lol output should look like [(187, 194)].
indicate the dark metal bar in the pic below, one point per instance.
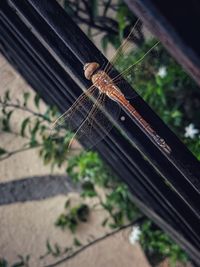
[(44, 51)]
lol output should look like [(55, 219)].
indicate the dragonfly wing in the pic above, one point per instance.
[(138, 68), (98, 123), (127, 45), (131, 58), (77, 113), (137, 61)]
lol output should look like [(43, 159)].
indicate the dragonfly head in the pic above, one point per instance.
[(90, 69)]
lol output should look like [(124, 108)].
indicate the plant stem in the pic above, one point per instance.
[(11, 153), (25, 109), (139, 220)]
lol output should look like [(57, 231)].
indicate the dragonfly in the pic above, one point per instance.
[(88, 118)]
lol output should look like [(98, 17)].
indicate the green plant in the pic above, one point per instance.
[(88, 169), (73, 217), (165, 86), (120, 208), (23, 262), (35, 129), (96, 16), (158, 245)]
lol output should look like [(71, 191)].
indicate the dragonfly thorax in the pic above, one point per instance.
[(98, 77), (103, 82)]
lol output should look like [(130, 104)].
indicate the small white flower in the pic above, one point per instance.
[(162, 71), (86, 179), (134, 235), (190, 131)]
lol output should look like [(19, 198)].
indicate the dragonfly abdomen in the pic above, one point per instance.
[(159, 140)]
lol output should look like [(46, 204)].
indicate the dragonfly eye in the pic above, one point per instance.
[(89, 69)]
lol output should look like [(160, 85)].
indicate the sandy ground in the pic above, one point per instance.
[(25, 227)]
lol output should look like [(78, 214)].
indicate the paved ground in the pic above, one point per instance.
[(31, 200)]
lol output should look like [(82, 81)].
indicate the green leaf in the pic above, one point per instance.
[(6, 121), (106, 7), (68, 8), (2, 151), (121, 16), (83, 212), (68, 138), (114, 40), (9, 115), (73, 225), (57, 251), (23, 126), (27, 258), (3, 263), (113, 225), (67, 203), (94, 8), (118, 217), (35, 128), (46, 114), (47, 158), (7, 95), (77, 243), (105, 222), (88, 189), (37, 100), (23, 261), (33, 142), (104, 42), (107, 206), (53, 110), (26, 97), (49, 248), (62, 221)]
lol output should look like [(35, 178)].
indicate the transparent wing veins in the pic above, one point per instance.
[(79, 101)]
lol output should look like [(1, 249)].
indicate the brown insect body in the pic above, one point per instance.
[(105, 85)]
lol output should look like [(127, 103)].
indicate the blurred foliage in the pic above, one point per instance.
[(157, 245), (120, 207), (35, 129), (73, 216), (112, 19), (164, 85), (88, 169), (22, 262)]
